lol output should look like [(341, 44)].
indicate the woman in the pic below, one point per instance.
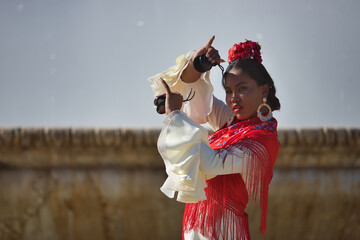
[(214, 175)]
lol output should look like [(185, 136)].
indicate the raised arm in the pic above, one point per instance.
[(190, 82), (190, 75)]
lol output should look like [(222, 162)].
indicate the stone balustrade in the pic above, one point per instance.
[(104, 184)]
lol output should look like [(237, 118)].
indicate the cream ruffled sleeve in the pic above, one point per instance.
[(179, 146), (219, 115), (200, 106), (190, 161)]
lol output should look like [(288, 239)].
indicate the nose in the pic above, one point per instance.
[(235, 96)]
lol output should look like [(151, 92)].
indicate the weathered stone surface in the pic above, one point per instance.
[(104, 184)]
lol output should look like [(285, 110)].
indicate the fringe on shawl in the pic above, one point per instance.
[(256, 171), (221, 216), (237, 227)]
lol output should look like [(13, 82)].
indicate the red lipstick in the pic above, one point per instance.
[(237, 108)]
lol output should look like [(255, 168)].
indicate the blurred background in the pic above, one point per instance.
[(78, 130), (86, 63)]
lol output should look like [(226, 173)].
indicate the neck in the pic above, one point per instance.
[(240, 120)]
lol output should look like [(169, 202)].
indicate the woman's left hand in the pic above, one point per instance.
[(173, 101)]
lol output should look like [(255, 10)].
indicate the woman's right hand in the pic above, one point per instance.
[(190, 75)]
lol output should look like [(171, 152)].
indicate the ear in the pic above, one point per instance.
[(265, 90)]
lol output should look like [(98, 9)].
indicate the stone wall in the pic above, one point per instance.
[(104, 184)]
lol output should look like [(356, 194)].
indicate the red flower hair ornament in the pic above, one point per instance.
[(245, 50)]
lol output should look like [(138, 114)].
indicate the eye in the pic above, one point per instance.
[(228, 91), (242, 88)]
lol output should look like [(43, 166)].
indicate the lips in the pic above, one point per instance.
[(237, 108)]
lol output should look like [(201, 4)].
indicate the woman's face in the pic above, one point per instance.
[(243, 94)]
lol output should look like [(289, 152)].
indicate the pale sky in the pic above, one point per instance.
[(86, 63)]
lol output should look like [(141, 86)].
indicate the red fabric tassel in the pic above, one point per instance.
[(222, 215)]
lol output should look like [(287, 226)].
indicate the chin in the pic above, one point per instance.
[(244, 116), (241, 116)]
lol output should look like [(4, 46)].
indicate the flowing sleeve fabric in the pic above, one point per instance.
[(190, 161), (200, 106), (204, 107), (219, 115), (179, 146)]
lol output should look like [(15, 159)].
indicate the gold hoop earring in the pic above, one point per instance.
[(259, 114)]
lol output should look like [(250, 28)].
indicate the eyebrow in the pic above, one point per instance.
[(240, 83)]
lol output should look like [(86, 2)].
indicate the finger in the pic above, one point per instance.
[(210, 52), (214, 55), (218, 61), (215, 59), (210, 42), (160, 95), (167, 89)]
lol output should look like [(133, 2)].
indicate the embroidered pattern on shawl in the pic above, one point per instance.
[(222, 215)]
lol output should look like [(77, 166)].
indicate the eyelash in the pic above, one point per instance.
[(240, 89)]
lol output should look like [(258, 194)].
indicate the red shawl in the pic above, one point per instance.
[(221, 215)]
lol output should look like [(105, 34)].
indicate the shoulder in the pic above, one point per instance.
[(270, 125)]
